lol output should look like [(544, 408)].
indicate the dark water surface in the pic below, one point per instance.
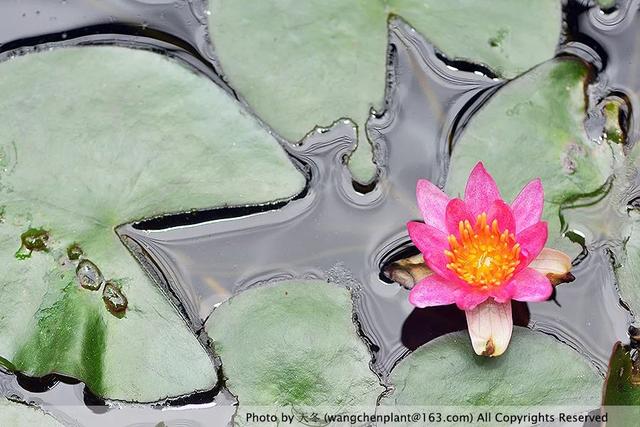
[(334, 230)]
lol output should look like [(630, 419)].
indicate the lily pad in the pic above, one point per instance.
[(533, 127), (622, 388), (307, 64), (19, 414), (298, 347), (536, 370), (93, 137)]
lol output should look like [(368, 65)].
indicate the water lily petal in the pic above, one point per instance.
[(469, 298), (457, 211), (432, 243), (433, 290), (490, 327), (500, 211), (554, 264), (532, 242), (502, 294), (529, 285), (426, 238), (528, 204), (432, 202), (481, 190)]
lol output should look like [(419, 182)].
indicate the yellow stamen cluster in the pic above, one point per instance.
[(483, 257)]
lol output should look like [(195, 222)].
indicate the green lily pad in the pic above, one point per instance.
[(19, 414), (533, 127), (536, 370), (94, 137), (297, 347), (622, 388), (307, 64)]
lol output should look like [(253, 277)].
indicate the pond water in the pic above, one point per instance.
[(334, 230)]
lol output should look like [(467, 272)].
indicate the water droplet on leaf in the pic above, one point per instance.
[(89, 275), (114, 299)]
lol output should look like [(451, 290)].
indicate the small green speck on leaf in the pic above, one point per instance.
[(496, 41), (74, 252), (34, 239)]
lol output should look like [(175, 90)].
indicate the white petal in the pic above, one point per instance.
[(490, 326), (553, 264)]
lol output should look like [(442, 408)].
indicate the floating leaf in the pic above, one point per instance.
[(19, 414), (533, 127), (622, 388), (94, 137), (622, 385), (307, 64), (298, 347), (535, 370)]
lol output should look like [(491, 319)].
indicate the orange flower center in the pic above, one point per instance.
[(484, 256)]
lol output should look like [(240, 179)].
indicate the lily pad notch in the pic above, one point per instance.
[(320, 61)]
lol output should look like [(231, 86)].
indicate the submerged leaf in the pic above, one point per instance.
[(319, 61), (607, 4), (614, 130), (19, 414), (94, 137), (536, 370), (628, 269), (298, 347), (617, 219)]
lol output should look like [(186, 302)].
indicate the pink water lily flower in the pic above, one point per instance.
[(483, 253)]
